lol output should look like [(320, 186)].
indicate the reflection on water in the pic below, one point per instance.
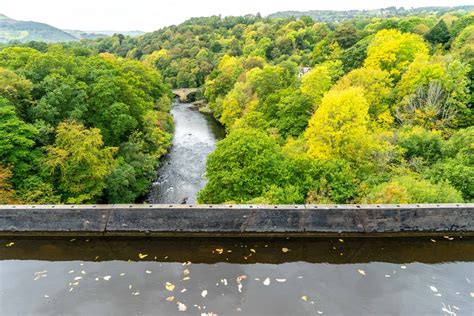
[(181, 174), (237, 277)]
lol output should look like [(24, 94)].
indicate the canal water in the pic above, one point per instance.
[(350, 276), (181, 173)]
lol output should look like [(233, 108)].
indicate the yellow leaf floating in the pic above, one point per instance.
[(170, 298), (253, 250), (10, 244), (341, 240), (284, 250), (186, 272), (169, 286), (219, 250), (361, 272), (142, 256), (304, 298)]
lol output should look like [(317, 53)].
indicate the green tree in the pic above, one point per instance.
[(16, 141), (439, 34), (243, 166)]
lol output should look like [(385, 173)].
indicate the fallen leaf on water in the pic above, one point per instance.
[(186, 278), (83, 272), (432, 240), (204, 293), (448, 238), (183, 290), (341, 240), (387, 275), (240, 278), (122, 274), (136, 293), (361, 272), (182, 307), (169, 286), (219, 250), (239, 287), (46, 296), (72, 271), (434, 289), (285, 250), (77, 278), (253, 250), (472, 294), (403, 267), (170, 298), (281, 280), (142, 256), (186, 272), (129, 286), (107, 278), (10, 244), (148, 271), (266, 281), (304, 298)]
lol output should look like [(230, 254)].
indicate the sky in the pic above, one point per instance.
[(150, 15)]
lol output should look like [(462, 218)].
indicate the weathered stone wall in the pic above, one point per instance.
[(237, 220)]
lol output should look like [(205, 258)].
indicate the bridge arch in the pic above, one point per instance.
[(186, 94)]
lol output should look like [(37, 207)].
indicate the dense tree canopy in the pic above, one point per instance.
[(368, 109), (72, 124)]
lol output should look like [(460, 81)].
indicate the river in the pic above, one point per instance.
[(226, 276), (181, 173)]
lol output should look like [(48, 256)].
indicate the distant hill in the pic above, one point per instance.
[(98, 34), (335, 16), (24, 31)]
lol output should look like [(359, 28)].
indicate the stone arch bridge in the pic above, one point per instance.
[(186, 94)]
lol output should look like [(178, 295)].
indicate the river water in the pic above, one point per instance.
[(181, 173), (257, 277)]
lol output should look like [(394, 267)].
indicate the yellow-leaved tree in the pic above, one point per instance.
[(338, 128), (376, 84), (393, 51)]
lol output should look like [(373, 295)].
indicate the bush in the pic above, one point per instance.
[(409, 189)]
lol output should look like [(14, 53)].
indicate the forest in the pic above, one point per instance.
[(79, 127), (365, 110)]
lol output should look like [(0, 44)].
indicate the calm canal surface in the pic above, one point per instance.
[(200, 276), (181, 173)]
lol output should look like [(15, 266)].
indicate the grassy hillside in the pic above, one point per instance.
[(24, 31)]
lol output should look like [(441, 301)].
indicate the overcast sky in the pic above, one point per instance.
[(149, 15)]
